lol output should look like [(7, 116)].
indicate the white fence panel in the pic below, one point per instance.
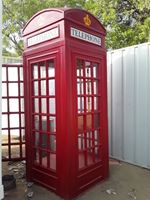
[(129, 104)]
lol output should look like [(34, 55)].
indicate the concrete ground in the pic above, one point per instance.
[(126, 182)]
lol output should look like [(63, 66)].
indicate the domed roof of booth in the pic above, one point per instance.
[(52, 15)]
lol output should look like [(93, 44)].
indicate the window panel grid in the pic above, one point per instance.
[(13, 105), (44, 133), (91, 140), (88, 88)]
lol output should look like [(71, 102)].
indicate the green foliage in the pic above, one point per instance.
[(127, 21)]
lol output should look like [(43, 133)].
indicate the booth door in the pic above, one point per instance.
[(43, 128), (89, 120)]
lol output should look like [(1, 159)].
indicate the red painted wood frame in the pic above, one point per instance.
[(41, 118), (69, 152), (13, 129)]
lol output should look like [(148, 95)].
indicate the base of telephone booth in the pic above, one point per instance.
[(82, 161)]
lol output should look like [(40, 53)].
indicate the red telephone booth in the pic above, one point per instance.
[(65, 100)]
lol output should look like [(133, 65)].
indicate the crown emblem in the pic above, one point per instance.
[(87, 20)]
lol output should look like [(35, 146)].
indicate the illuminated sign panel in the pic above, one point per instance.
[(42, 37), (76, 33)]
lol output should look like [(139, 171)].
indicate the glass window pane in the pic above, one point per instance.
[(42, 71), (22, 104), (15, 135), (4, 105), (36, 154), (96, 137), (23, 151), (53, 143), (13, 89), (80, 88), (96, 87), (5, 151), (12, 73), (13, 105), (43, 87), (52, 109), (89, 157), (15, 151), (80, 64), (23, 135), (53, 124), (44, 140), (81, 142), (14, 120), (96, 120), (52, 87), (22, 120), (3, 73), (44, 124), (21, 89), (21, 73), (35, 71), (96, 103), (95, 70), (80, 104), (4, 90), (36, 105), (4, 121), (51, 69), (88, 87), (88, 104), (5, 136), (89, 121), (36, 122), (80, 123), (44, 105), (36, 139), (36, 88), (89, 140), (87, 69), (97, 153), (44, 158)]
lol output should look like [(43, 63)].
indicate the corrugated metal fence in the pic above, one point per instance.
[(129, 104)]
